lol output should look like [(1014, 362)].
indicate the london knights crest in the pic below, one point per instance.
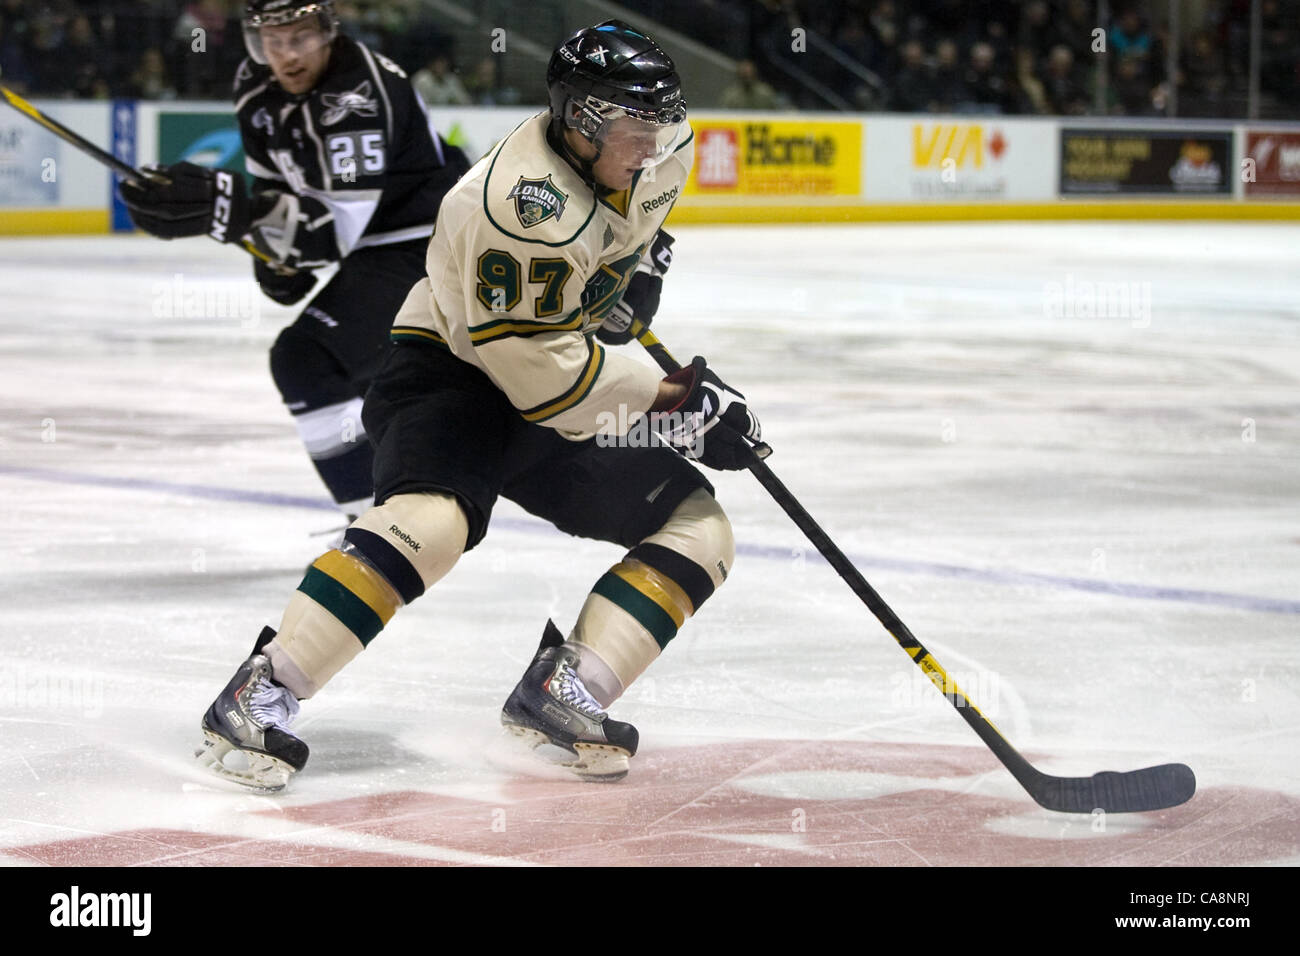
[(537, 200)]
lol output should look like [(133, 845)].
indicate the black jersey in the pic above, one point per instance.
[(358, 150)]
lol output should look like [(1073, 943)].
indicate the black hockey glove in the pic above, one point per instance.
[(187, 200), (711, 424), (641, 297), (285, 289)]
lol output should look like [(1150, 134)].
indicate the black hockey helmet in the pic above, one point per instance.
[(608, 72), (275, 13)]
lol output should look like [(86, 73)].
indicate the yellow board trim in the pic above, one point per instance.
[(805, 211), (45, 222), (361, 580), (662, 590)]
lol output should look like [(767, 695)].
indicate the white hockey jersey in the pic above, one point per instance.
[(524, 264)]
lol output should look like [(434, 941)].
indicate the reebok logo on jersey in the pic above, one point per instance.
[(665, 197), (405, 538), (339, 105), (537, 200)]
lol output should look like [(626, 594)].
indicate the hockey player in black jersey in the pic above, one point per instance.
[(346, 168)]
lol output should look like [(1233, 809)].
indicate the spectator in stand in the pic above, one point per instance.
[(748, 92), (854, 41), (998, 36), (485, 88), (1132, 87), (1204, 81), (1036, 29), (948, 85), (15, 31), (987, 91), (1063, 89), (1073, 29), (82, 54), (884, 25), (1129, 37), (1279, 70), (50, 76), (438, 85), (150, 81), (207, 47), (913, 90)]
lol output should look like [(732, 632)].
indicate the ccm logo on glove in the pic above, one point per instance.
[(221, 209)]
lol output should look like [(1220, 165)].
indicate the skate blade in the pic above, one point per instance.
[(263, 774), (601, 763)]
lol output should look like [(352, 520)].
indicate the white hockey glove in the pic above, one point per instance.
[(641, 297), (712, 423)]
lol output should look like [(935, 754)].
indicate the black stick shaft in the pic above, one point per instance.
[(1148, 789), (125, 170), (58, 129)]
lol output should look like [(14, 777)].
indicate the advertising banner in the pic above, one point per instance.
[(203, 138), (913, 159), (767, 159), (1173, 162), (1271, 163), (124, 148), (29, 163)]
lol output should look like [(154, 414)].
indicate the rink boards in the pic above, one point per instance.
[(754, 167)]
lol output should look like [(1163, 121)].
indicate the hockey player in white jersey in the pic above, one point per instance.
[(497, 384)]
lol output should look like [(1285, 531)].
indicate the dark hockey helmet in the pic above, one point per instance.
[(611, 72), (276, 13)]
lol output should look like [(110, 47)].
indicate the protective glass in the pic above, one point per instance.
[(301, 32), (635, 139)]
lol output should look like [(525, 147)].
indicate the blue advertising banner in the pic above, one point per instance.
[(124, 143)]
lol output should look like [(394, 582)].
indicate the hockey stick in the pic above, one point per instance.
[(125, 170), (1151, 788)]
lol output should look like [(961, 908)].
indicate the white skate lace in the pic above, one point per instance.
[(272, 705), (569, 689)]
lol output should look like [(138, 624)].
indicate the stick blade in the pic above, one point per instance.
[(1151, 788)]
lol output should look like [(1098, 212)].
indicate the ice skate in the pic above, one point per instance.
[(550, 706), (245, 732)]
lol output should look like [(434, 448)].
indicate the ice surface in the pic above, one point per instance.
[(1092, 521)]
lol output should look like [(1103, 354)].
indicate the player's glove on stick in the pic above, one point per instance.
[(274, 218), (711, 424), (187, 200), (641, 297), (283, 288)]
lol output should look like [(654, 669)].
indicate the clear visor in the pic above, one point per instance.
[(297, 33), (634, 141)]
